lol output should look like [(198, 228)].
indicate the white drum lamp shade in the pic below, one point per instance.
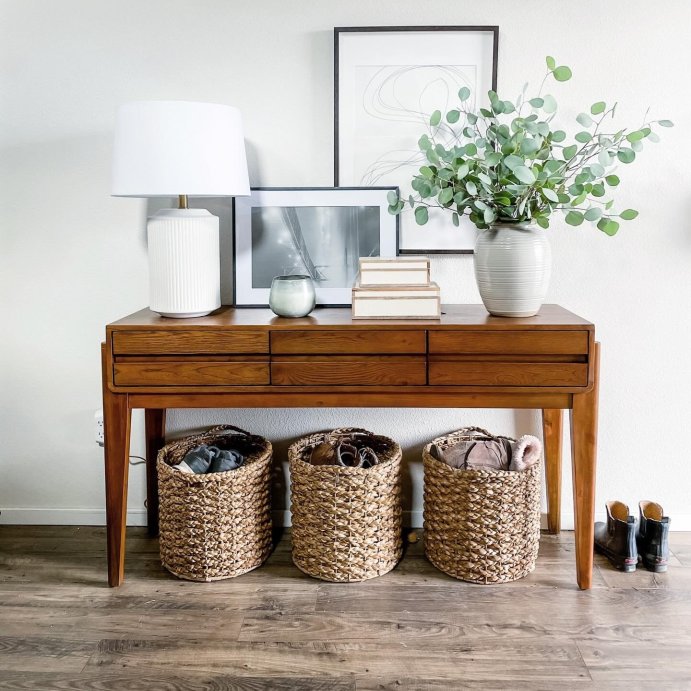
[(180, 149)]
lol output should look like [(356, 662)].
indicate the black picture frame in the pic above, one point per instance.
[(340, 31), (383, 189)]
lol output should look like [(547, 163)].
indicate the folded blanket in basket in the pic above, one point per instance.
[(210, 459), (491, 454), (350, 452)]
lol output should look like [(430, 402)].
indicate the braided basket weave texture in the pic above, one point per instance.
[(346, 522), (481, 526), (217, 525)]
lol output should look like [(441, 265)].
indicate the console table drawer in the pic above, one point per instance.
[(467, 373), (181, 342), (343, 371), (347, 341), (171, 373), (509, 342)]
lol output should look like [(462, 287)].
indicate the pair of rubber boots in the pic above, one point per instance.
[(624, 543)]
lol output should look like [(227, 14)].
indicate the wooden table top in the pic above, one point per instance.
[(469, 317)]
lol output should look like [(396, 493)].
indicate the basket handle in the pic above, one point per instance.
[(227, 428), (485, 433)]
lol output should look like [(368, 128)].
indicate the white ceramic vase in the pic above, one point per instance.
[(513, 262)]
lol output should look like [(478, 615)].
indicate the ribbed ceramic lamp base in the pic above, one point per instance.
[(184, 263)]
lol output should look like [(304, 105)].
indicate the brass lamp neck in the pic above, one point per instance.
[(182, 201)]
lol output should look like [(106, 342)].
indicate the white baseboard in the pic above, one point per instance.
[(281, 518)]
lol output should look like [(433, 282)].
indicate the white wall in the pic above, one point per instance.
[(74, 259)]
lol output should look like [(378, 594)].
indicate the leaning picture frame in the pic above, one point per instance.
[(387, 82), (316, 231)]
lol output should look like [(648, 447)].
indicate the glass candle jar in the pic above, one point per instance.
[(292, 296)]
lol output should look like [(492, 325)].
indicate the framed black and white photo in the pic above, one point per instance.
[(387, 82), (320, 232)]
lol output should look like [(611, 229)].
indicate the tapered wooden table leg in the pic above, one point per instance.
[(116, 428), (552, 436), (583, 460), (155, 424)]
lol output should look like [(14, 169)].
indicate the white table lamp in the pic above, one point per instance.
[(181, 149)]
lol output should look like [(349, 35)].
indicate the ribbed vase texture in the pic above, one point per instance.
[(512, 268), (184, 265)]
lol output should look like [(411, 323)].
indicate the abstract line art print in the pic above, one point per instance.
[(387, 84)]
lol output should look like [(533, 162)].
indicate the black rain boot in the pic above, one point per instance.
[(616, 538), (653, 537)]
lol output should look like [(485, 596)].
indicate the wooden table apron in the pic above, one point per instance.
[(248, 358)]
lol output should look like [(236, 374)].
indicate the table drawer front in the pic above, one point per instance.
[(507, 373), (353, 371), (180, 342), (347, 341), (172, 373), (509, 342)]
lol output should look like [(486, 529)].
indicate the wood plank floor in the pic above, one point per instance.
[(61, 627)]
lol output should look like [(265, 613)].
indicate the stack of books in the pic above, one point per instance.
[(395, 288)]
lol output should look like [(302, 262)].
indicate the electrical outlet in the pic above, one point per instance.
[(98, 426)]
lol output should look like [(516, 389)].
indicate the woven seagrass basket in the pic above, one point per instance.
[(481, 526), (217, 525), (346, 522)]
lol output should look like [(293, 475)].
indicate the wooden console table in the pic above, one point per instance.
[(249, 358)]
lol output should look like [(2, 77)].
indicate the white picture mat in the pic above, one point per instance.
[(376, 127), (247, 295)]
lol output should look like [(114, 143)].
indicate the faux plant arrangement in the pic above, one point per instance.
[(505, 162)]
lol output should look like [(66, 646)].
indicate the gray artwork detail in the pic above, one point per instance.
[(323, 242)]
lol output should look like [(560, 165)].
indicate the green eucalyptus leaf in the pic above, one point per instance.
[(597, 170), (424, 142), (435, 118), (471, 118), (524, 174), (542, 221), (637, 146), (665, 123), (562, 73), (612, 180), (558, 136), (550, 194), (512, 162), (608, 226), (550, 105), (455, 219), (569, 151), (392, 198), (628, 214), (652, 137), (598, 190), (421, 215), (598, 108), (490, 215), (635, 136), (592, 214), (470, 149), (446, 195), (530, 146), (609, 204), (605, 158), (574, 218), (584, 119), (411, 201), (537, 102), (492, 159), (462, 171), (551, 63), (453, 116), (471, 187), (626, 155), (464, 93), (427, 172), (583, 137)]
